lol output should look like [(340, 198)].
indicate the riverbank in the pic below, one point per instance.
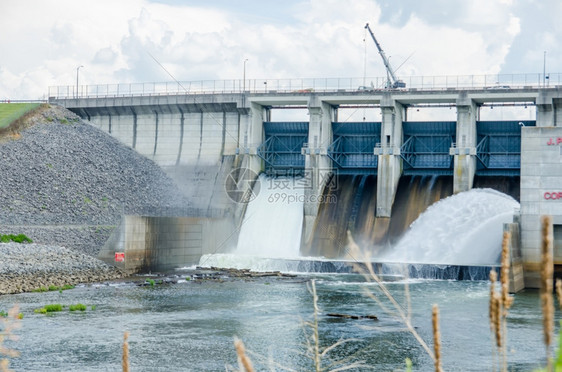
[(29, 267)]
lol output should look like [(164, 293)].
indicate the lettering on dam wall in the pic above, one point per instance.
[(553, 195), (554, 141)]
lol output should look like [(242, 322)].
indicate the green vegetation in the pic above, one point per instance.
[(10, 112), (3, 314), (20, 238), (150, 282), (79, 307), (51, 308), (53, 288)]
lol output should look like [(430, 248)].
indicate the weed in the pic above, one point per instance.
[(3, 314), (87, 200), (20, 238), (49, 165), (93, 307), (51, 308), (63, 121), (150, 282), (80, 307)]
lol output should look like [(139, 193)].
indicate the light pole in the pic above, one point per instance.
[(77, 71), (244, 82), (544, 70)]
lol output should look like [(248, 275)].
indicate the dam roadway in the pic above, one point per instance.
[(199, 135)]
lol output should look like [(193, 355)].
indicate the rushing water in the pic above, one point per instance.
[(272, 223), (190, 326), (463, 229)]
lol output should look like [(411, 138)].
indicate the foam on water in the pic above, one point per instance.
[(463, 229)]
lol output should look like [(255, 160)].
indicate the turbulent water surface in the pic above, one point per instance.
[(190, 326)]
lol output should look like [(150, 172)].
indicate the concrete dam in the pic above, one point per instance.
[(373, 178)]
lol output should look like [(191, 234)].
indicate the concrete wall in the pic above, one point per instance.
[(159, 244), (541, 181)]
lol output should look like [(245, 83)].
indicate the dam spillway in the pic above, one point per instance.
[(199, 137)]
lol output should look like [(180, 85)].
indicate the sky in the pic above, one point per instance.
[(43, 42)]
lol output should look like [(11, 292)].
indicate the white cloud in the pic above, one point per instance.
[(44, 41)]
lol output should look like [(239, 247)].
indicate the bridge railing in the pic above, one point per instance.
[(498, 81)]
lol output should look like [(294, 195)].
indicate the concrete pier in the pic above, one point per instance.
[(389, 165), (464, 151)]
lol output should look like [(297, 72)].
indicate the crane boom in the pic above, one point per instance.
[(393, 81)]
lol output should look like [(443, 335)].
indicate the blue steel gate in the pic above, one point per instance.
[(281, 150), (425, 150), (352, 149), (499, 147)]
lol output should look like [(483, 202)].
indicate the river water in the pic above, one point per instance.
[(190, 326)]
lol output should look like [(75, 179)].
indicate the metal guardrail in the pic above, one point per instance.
[(492, 82)]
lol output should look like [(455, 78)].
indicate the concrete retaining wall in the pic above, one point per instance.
[(159, 244)]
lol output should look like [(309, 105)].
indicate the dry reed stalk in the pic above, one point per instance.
[(317, 360), (506, 299), (504, 277), (436, 337), (492, 311), (125, 361), (497, 307), (370, 275), (5, 365), (559, 292), (546, 285), (8, 325), (243, 360)]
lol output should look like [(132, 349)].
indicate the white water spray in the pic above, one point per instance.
[(463, 229), (271, 228)]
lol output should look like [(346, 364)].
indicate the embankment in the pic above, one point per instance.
[(66, 184)]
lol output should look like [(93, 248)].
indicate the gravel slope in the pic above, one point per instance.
[(65, 183)]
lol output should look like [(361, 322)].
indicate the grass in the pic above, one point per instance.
[(10, 112), (51, 308), (77, 307), (20, 238), (53, 288)]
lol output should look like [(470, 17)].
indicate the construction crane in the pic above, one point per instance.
[(392, 80)]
